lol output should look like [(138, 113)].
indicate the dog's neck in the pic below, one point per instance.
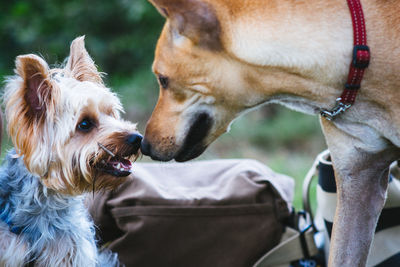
[(50, 223), (315, 67)]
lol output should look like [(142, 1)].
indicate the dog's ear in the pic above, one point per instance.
[(37, 87), (193, 19), (80, 65)]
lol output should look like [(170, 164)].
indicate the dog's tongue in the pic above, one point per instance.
[(121, 164), (117, 167)]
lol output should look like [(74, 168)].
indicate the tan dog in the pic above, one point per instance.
[(216, 59)]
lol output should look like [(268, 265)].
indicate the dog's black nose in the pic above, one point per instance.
[(134, 140)]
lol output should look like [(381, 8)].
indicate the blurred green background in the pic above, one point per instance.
[(121, 36)]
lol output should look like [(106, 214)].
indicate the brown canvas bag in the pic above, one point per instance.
[(225, 213)]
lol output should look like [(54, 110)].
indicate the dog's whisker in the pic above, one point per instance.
[(106, 150), (94, 185)]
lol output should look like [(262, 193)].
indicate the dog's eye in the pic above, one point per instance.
[(164, 81), (85, 125)]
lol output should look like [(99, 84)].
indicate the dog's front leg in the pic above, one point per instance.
[(361, 159)]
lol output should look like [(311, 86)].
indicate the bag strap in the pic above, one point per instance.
[(295, 244), (307, 182), (291, 248)]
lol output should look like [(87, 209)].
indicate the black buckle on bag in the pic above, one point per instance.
[(358, 62), (303, 242)]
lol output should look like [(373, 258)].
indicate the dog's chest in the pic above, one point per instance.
[(55, 230)]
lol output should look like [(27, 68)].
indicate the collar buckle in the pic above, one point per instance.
[(339, 108)]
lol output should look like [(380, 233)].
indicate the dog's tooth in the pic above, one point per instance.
[(119, 166)]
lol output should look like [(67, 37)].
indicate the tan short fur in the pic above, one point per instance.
[(223, 57)]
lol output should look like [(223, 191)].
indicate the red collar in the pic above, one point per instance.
[(360, 62)]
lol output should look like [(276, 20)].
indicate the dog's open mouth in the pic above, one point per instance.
[(115, 166), (118, 165)]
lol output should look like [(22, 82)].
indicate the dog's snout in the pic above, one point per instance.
[(147, 149), (134, 140)]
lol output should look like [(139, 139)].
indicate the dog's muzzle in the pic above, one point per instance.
[(193, 144)]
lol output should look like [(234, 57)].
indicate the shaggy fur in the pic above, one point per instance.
[(69, 139), (51, 222)]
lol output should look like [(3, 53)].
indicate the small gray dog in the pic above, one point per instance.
[(69, 139)]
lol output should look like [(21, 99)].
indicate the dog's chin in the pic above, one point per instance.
[(107, 179), (190, 153), (104, 182), (184, 154), (194, 146)]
